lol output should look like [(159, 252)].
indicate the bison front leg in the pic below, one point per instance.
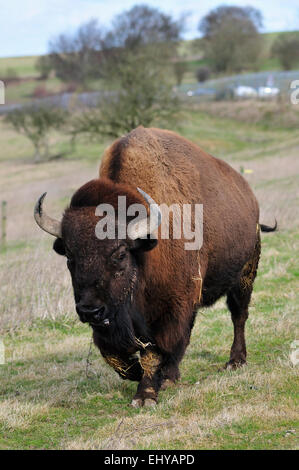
[(149, 386)]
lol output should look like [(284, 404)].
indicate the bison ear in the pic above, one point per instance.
[(144, 244), (58, 246)]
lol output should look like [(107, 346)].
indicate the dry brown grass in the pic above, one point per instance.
[(274, 113), (30, 289), (29, 274), (274, 178), (21, 184), (17, 415)]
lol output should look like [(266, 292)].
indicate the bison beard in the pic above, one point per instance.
[(151, 292), (126, 332), (121, 340)]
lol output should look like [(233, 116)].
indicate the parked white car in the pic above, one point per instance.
[(267, 92), (245, 92)]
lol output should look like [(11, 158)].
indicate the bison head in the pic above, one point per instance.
[(106, 274)]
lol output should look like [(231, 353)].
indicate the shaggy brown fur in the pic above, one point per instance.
[(174, 170), (153, 294)]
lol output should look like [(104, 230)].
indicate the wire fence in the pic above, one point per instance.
[(281, 80), (63, 100)]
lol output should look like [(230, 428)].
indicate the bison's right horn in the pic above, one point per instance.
[(144, 227), (45, 222)]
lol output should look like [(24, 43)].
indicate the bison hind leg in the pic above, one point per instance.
[(238, 299)]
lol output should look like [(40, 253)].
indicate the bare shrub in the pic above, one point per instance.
[(77, 57), (202, 74), (35, 122), (40, 92)]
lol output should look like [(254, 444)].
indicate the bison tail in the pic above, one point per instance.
[(267, 228)]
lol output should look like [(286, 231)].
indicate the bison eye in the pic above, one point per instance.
[(118, 256)]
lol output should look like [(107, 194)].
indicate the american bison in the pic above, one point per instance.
[(140, 294)]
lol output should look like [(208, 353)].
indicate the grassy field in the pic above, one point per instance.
[(56, 392)]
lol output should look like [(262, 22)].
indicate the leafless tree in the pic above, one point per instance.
[(77, 57), (136, 67)]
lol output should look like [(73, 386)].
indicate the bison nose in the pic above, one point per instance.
[(88, 313)]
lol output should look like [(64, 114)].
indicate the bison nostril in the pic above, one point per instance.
[(100, 314), (89, 313)]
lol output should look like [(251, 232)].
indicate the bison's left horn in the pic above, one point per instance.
[(45, 222), (146, 226)]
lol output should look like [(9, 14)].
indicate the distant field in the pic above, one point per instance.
[(190, 52), (52, 398), (24, 66)]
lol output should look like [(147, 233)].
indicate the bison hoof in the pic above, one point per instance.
[(136, 403), (235, 364), (147, 402)]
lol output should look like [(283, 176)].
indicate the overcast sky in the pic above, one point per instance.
[(27, 25)]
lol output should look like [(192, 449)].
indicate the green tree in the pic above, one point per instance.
[(231, 37), (143, 97), (143, 25), (35, 122), (286, 49)]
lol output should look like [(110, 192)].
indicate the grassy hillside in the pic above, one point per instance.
[(23, 66), (56, 393), (193, 54), (190, 51)]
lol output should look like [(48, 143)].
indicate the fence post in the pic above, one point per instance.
[(3, 223)]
